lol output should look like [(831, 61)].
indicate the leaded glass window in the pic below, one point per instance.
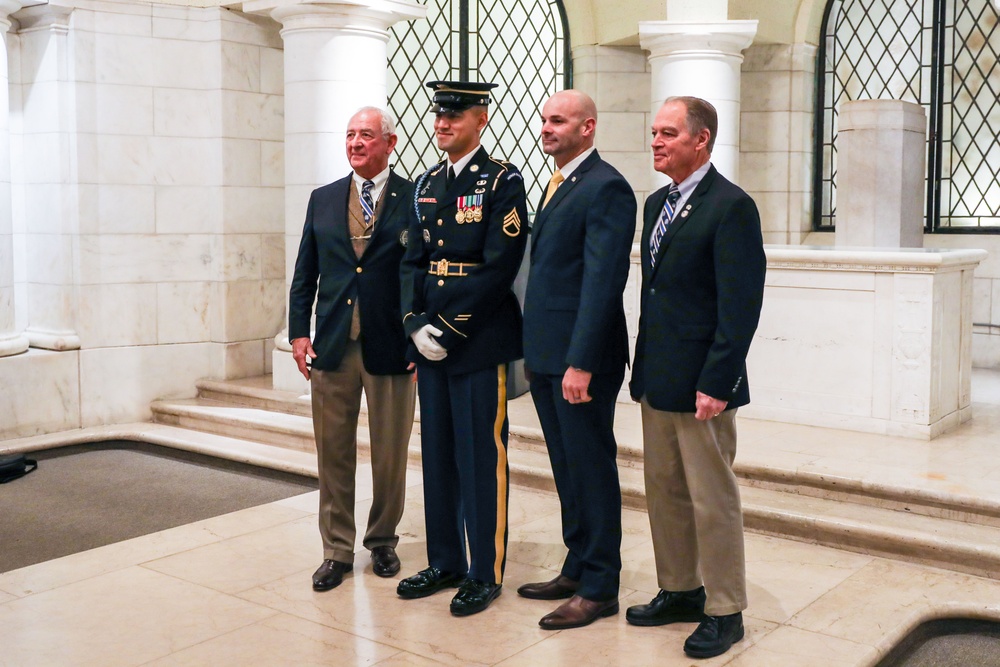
[(941, 54), (520, 44)]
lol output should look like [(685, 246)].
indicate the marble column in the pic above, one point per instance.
[(51, 187), (11, 340), (335, 62), (701, 59)]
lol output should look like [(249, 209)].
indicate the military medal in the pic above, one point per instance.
[(470, 209)]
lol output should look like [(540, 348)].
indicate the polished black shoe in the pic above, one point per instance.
[(427, 582), (473, 597), (385, 562), (669, 607), (330, 574), (559, 588), (714, 636)]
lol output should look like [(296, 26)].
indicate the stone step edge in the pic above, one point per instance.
[(876, 539), (868, 538), (952, 506)]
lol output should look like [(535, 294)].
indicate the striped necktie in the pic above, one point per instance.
[(673, 194), (367, 203)]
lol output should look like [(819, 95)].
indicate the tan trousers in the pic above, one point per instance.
[(336, 402), (694, 506)]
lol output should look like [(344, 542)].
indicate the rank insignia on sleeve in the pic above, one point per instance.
[(512, 223)]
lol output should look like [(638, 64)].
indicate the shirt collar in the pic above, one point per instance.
[(379, 182), (573, 164), (462, 161), (687, 186)]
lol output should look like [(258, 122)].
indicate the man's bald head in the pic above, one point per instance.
[(569, 122)]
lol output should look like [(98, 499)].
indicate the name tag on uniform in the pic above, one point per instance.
[(427, 200)]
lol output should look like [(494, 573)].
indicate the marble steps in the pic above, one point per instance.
[(973, 548), (950, 531)]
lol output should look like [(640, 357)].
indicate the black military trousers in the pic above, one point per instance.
[(463, 434)]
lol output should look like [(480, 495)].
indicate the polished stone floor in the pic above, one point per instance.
[(235, 589)]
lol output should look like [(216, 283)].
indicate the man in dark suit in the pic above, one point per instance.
[(576, 350), (702, 286), (352, 244), (465, 326)]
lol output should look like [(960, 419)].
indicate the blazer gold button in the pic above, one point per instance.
[(349, 302), (440, 243), (358, 269), (441, 283), (440, 221)]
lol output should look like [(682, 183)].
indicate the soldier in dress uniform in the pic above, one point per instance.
[(464, 324)]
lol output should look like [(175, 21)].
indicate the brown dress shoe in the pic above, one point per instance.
[(558, 589), (577, 612)]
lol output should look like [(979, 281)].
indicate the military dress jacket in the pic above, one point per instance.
[(328, 262), (463, 252), (701, 301)]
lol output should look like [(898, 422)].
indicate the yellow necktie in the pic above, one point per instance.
[(554, 182)]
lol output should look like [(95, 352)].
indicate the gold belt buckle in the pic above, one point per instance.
[(442, 267)]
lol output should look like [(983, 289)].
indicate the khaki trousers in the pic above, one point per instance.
[(694, 506), (336, 403)]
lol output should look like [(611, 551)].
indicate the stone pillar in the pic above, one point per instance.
[(335, 62), (11, 340), (881, 155), (51, 187), (701, 59)]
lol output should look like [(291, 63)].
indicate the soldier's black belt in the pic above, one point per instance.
[(446, 268)]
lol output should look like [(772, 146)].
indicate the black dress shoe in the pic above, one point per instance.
[(330, 574), (385, 562), (558, 589), (427, 582), (714, 636), (473, 597), (669, 607), (577, 612)]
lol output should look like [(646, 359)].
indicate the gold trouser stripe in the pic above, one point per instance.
[(501, 471)]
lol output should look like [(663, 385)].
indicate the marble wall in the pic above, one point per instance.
[(147, 180)]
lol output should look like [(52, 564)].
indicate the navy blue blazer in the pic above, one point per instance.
[(701, 304), (580, 247), (326, 255)]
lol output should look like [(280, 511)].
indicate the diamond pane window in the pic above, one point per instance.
[(522, 45), (941, 54)]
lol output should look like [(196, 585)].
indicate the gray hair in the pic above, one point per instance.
[(701, 115), (388, 124)]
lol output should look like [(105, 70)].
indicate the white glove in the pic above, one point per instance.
[(425, 338)]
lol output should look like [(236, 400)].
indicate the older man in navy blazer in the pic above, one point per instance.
[(576, 350), (702, 287), (352, 245)]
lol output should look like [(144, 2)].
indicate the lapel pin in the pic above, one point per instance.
[(684, 213), (474, 167)]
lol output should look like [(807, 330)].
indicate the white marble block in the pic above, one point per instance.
[(881, 147), (868, 340)]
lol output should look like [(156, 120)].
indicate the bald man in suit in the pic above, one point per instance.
[(576, 349)]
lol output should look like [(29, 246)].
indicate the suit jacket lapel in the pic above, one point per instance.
[(392, 199), (681, 217), (562, 192)]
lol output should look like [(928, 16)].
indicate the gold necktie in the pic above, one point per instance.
[(554, 182)]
